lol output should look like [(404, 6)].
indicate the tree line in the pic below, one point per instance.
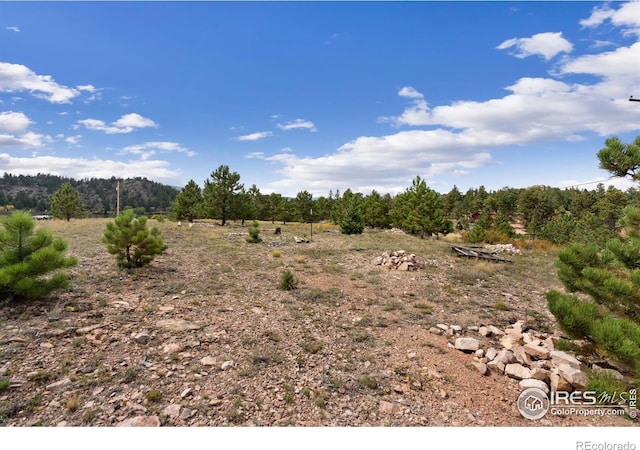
[(555, 214)]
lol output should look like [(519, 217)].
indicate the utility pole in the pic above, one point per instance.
[(118, 198), (311, 220)]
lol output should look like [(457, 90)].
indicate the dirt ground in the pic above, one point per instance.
[(205, 336)]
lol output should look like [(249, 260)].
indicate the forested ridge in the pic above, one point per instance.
[(98, 195)]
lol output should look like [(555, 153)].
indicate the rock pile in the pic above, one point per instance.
[(398, 260), (530, 357)]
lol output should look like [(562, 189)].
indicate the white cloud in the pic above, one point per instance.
[(148, 149), (86, 87), (73, 140), (296, 124), (626, 17), (23, 141), (125, 124), (255, 136), (15, 29), (14, 122), (18, 78), (255, 155), (79, 168), (459, 137), (546, 45)]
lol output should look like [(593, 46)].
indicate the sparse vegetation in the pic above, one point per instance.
[(288, 281)]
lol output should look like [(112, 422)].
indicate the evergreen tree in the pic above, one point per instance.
[(353, 221), (419, 210), (254, 233), (610, 277), (65, 203), (30, 263), (304, 204), (132, 243), (188, 203), (221, 193)]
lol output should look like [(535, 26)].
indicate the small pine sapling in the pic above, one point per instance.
[(254, 233), (132, 243)]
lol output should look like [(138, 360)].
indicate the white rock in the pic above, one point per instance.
[(59, 384), (491, 353), (479, 353), (559, 357), (496, 366), (557, 383), (484, 331), (467, 344), (517, 371), (533, 383), (537, 351), (576, 377), (172, 411), (140, 421), (227, 365)]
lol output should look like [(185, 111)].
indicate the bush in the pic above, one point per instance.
[(254, 233), (131, 242), (30, 262), (288, 281)]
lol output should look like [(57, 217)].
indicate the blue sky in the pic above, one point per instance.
[(319, 96)]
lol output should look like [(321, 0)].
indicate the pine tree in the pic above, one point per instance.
[(188, 202), (610, 277), (353, 221), (30, 263), (132, 243), (221, 193), (254, 233), (65, 203)]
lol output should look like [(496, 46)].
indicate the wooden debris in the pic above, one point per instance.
[(478, 252)]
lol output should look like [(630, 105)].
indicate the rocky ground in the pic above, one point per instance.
[(205, 336)]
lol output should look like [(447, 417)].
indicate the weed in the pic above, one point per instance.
[(361, 337), (500, 305), (276, 254), (272, 336), (40, 375), (73, 403), (88, 416), (4, 385), (392, 306), (312, 346), (424, 308), (130, 375), (368, 381), (606, 386), (153, 395)]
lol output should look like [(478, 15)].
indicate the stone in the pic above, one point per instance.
[(172, 348), (405, 266), (435, 330), (467, 344), (185, 393), (378, 261), (505, 356), (456, 328), (142, 337), (559, 357), (88, 329), (178, 325), (208, 361), (484, 331), (140, 421), (388, 407), (59, 384), (442, 326), (521, 356), (479, 353), (541, 374), (186, 413), (172, 411), (227, 365), (491, 353), (614, 373), (559, 384), (496, 366), (482, 368), (576, 377), (496, 331), (536, 351), (532, 383), (509, 341), (517, 371)]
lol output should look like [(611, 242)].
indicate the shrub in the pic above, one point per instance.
[(254, 233), (288, 281), (30, 262), (131, 242)]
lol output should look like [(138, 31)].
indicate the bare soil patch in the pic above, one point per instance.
[(204, 336)]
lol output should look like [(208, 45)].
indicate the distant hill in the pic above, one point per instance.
[(98, 195)]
